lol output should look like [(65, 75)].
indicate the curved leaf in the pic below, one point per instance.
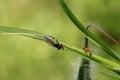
[(88, 34)]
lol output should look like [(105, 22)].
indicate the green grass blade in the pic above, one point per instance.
[(107, 63), (111, 76), (16, 30), (88, 34), (36, 35), (28, 33)]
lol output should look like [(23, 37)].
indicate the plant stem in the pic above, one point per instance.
[(84, 70)]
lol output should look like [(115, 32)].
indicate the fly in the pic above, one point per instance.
[(53, 42)]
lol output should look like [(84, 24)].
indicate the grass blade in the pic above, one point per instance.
[(88, 34), (49, 39), (11, 30), (110, 75), (107, 63)]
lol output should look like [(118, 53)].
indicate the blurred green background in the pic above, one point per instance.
[(24, 58)]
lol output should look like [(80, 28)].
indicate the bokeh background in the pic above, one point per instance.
[(23, 58)]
